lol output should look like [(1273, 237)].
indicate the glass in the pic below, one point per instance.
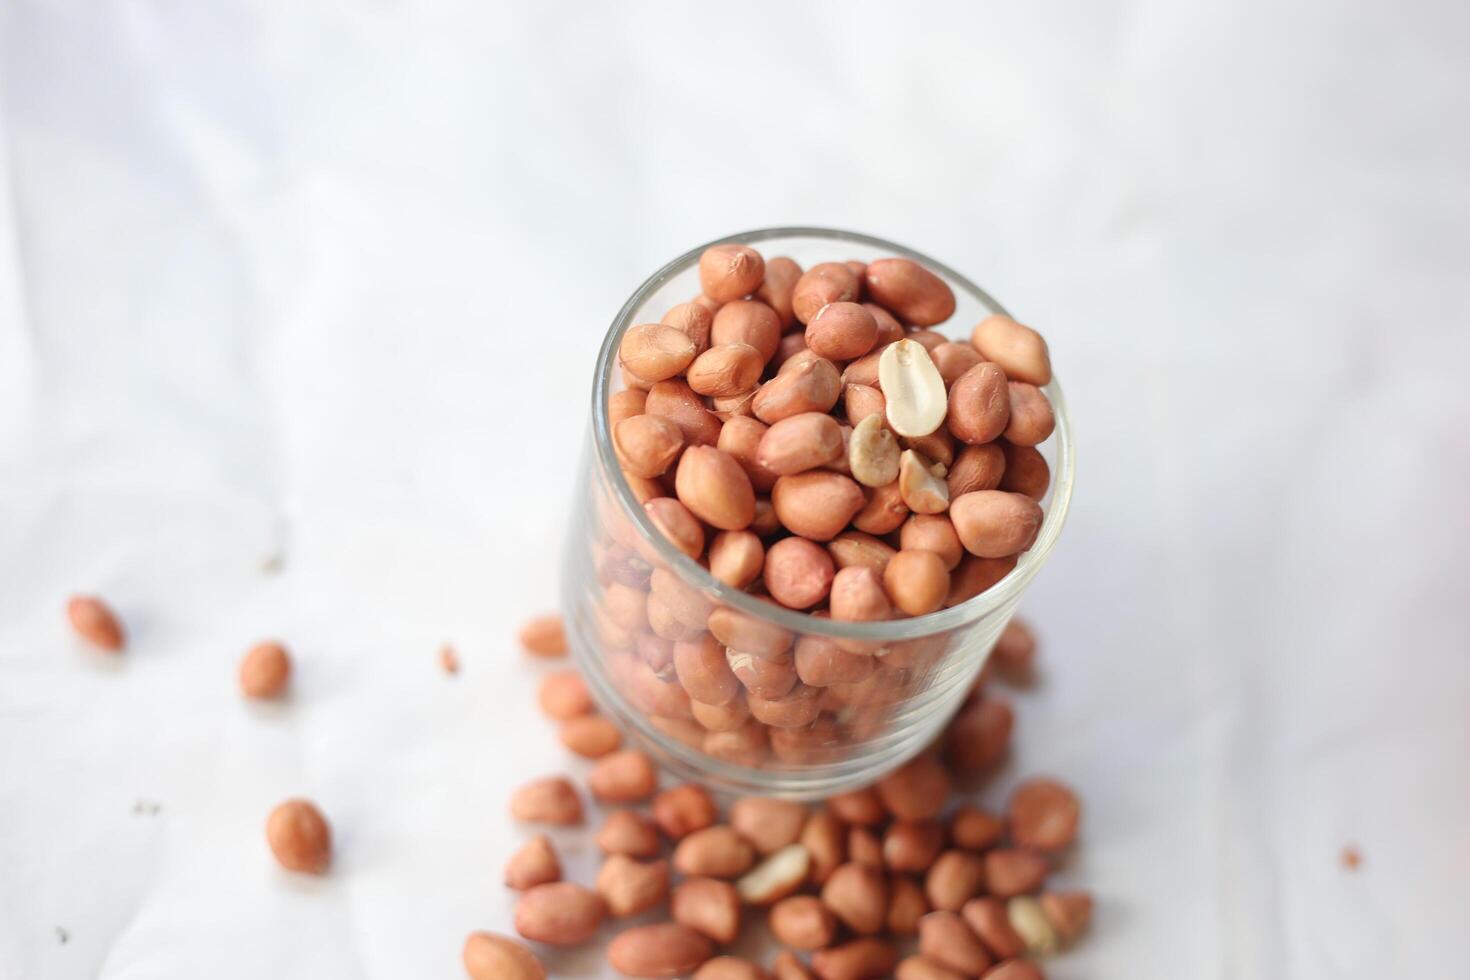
[(630, 598)]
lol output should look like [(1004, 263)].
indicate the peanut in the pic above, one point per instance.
[(1014, 970), (702, 669), (883, 510), (826, 282), (630, 833), (535, 863), (917, 581), (974, 575), (781, 873), (865, 370), (803, 922), (906, 905), (987, 919), (677, 524), (551, 800), (798, 573), (677, 402), (559, 914), (782, 275), (825, 839), (858, 895), (841, 331), (728, 272), (714, 488), (889, 329), (858, 596), (798, 443), (978, 737), (1068, 913), (1019, 350), (954, 879), (946, 939), (727, 717), (490, 957), (1026, 471), (979, 404), (655, 352), (624, 776), (860, 401), (872, 451), (663, 950), (564, 695), (748, 321), (822, 663), (913, 389), (1029, 921), (996, 524), (860, 807), (747, 634), (767, 823), (94, 622), (922, 968), (708, 906), (863, 847), (816, 504), (729, 968), (741, 438), (935, 533), (953, 360), (859, 959), (591, 736), (911, 291), (917, 790), (299, 837), (265, 671), (1011, 871), (682, 810), (714, 852), (736, 558), (810, 386), (857, 548), (976, 468), (629, 887), (1044, 815), (974, 829), (693, 321), (1032, 419), (796, 708), (912, 845), (725, 371)]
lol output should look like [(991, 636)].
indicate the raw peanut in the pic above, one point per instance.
[(644, 489), (768, 824), (954, 879), (1068, 913), (683, 730), (825, 839), (682, 810), (762, 677), (687, 604), (591, 736), (803, 922), (714, 852), (840, 464), (647, 445), (792, 345), (564, 695), (987, 919), (912, 845), (973, 575), (736, 558), (797, 708), (677, 524), (1044, 815), (937, 448), (946, 939), (677, 402), (711, 305), (559, 913), (1032, 419), (978, 737), (728, 272), (913, 389), (863, 847), (782, 274), (979, 404), (655, 352), (1029, 921), (936, 533), (1025, 471), (826, 282), (860, 959), (741, 406), (624, 776), (629, 887), (655, 651), (708, 906), (916, 581), (729, 968), (872, 452), (996, 524), (814, 743), (632, 381), (727, 717), (859, 806), (800, 442), (858, 269), (703, 671), (1013, 871), (780, 874), (861, 401), (906, 905), (1015, 651), (630, 833), (788, 966), (883, 510), (741, 438), (816, 504), (1014, 970), (299, 837), (627, 606), (865, 370), (858, 596), (715, 488), (551, 800), (663, 950), (265, 671), (953, 360), (747, 634), (858, 895), (922, 968), (666, 624), (822, 663), (653, 695), (491, 957), (930, 340), (535, 863), (1019, 350), (917, 790), (94, 622), (911, 291), (726, 370), (857, 548), (841, 331), (810, 386), (798, 573), (748, 321), (797, 358), (974, 829), (977, 468), (889, 329), (693, 321)]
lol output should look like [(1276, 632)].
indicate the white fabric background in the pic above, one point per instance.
[(325, 281)]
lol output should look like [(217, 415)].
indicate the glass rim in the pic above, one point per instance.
[(942, 620)]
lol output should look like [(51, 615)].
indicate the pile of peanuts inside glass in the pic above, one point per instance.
[(811, 440)]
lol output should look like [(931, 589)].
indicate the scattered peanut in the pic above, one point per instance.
[(491, 957), (265, 671), (534, 864), (663, 950), (94, 622), (551, 801), (299, 837)]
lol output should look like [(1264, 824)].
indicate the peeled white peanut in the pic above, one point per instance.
[(922, 491), (776, 877), (917, 402), (872, 452), (1031, 923)]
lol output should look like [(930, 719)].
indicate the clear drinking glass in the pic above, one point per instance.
[(629, 596)]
